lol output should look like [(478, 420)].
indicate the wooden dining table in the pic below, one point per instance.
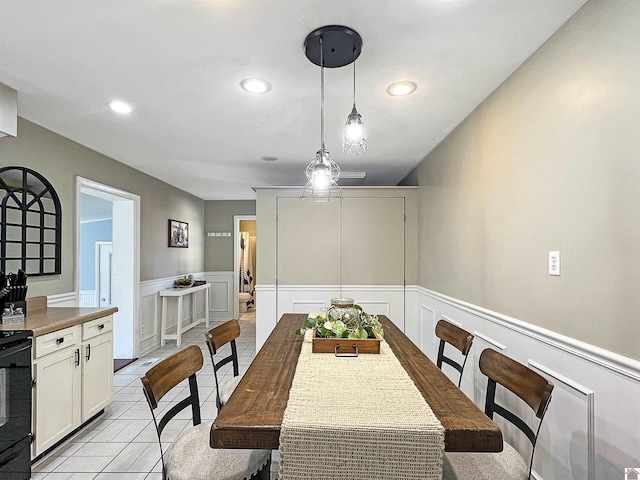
[(253, 415)]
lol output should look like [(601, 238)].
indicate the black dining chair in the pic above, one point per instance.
[(190, 457), (216, 338), (459, 338), (529, 386)]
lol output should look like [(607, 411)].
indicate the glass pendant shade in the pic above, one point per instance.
[(322, 174), (355, 134)]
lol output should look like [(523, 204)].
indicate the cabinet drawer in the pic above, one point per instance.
[(56, 341), (97, 327)]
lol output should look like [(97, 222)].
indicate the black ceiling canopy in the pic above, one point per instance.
[(340, 45)]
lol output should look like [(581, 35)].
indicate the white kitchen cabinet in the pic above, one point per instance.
[(57, 389), (97, 366), (73, 373)]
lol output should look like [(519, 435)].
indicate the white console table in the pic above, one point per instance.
[(179, 293)]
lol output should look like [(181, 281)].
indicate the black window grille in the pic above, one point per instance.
[(31, 232)]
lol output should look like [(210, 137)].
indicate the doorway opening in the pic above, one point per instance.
[(244, 261), (116, 260)]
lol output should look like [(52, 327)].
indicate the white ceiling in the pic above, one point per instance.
[(180, 63)]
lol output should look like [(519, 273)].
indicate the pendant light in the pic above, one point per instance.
[(330, 46), (354, 137), (322, 173)]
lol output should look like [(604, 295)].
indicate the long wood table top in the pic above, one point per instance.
[(253, 415)]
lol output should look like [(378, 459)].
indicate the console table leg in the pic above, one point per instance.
[(206, 306), (163, 326), (179, 324)]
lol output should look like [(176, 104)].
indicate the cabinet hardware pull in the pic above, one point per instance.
[(101, 326), (77, 357), (59, 340), (88, 351)]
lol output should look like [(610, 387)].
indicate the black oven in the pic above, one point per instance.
[(15, 405)]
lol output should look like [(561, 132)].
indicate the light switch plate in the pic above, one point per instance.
[(554, 263)]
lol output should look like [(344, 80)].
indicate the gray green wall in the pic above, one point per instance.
[(550, 161), (218, 217), (60, 160)]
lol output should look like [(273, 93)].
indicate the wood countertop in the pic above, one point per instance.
[(42, 319)]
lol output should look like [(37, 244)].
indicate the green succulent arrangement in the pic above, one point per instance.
[(359, 325)]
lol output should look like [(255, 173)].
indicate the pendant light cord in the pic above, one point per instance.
[(354, 75), (321, 95)]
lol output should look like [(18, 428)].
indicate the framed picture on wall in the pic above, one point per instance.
[(178, 234)]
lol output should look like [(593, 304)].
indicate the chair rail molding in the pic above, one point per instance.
[(62, 300), (618, 363)]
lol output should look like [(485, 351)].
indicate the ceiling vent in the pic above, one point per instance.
[(8, 111)]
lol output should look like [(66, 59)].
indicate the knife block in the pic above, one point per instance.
[(13, 306)]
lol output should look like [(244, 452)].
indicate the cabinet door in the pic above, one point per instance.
[(97, 374), (56, 396)]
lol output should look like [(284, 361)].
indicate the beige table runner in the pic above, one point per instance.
[(357, 418)]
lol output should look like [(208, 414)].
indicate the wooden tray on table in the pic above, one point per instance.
[(345, 347)]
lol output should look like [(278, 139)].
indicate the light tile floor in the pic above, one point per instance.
[(122, 443)]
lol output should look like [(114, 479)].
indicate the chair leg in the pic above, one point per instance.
[(265, 472)]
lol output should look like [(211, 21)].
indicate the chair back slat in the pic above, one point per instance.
[(454, 335), (169, 372), (449, 333), (223, 334), (531, 387)]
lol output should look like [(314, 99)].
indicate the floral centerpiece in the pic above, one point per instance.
[(351, 322)]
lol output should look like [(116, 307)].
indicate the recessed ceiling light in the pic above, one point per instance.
[(119, 106), (268, 158), (399, 89), (255, 85)]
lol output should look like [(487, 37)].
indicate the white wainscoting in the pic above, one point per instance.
[(151, 311), (87, 298), (62, 300), (592, 428), (221, 294), (272, 303)]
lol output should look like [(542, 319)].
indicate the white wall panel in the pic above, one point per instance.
[(576, 415), (581, 438), (221, 294)]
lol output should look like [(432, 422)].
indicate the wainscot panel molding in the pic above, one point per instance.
[(151, 311), (62, 300), (87, 298), (273, 302), (266, 313), (221, 294), (580, 437), (577, 418)]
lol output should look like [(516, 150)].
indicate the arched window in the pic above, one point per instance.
[(31, 232)]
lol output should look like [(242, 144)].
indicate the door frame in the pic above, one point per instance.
[(115, 195), (236, 258)]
